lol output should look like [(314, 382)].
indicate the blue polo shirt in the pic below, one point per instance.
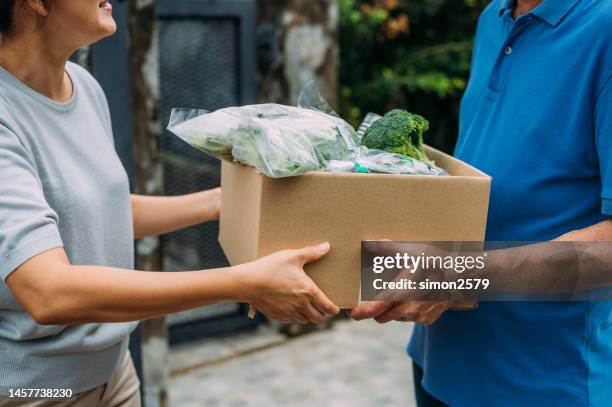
[(537, 117)]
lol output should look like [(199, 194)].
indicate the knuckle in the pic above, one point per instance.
[(295, 256), (311, 252), (306, 292), (311, 291)]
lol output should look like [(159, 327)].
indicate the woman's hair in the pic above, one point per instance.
[(6, 15)]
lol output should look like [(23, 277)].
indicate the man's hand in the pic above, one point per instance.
[(422, 312)]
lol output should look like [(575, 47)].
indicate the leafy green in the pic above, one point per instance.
[(398, 132), (253, 146)]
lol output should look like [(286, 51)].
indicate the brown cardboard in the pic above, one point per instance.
[(260, 215)]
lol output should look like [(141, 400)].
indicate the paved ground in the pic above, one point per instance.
[(354, 365)]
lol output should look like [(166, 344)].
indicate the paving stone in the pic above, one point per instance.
[(352, 365)]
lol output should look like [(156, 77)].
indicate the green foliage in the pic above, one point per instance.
[(406, 54), (398, 132)]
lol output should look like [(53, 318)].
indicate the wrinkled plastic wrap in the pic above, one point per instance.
[(365, 160), (285, 141), (278, 140)]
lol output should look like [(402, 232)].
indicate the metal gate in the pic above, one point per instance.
[(207, 61)]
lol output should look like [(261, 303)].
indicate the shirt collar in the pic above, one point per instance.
[(506, 5), (551, 11)]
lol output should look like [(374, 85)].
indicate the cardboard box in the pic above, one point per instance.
[(260, 215)]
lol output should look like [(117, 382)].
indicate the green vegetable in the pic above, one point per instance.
[(398, 132), (294, 156), (334, 144)]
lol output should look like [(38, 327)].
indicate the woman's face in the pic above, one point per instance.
[(80, 22)]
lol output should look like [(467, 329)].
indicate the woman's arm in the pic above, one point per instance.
[(56, 293), (156, 215)]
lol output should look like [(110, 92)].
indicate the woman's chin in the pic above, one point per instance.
[(108, 26)]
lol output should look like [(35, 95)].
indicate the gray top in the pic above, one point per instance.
[(61, 184)]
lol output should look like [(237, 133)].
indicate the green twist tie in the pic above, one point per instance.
[(360, 169)]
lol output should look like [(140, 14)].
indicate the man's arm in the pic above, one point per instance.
[(521, 278), (561, 268), (599, 232), (156, 215)]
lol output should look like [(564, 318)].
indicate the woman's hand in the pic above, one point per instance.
[(280, 288)]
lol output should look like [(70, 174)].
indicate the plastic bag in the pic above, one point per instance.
[(187, 124), (375, 161), (278, 140), (284, 141), (366, 123), (311, 98), (390, 163)]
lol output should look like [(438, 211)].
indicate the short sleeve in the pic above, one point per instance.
[(28, 226), (603, 138)]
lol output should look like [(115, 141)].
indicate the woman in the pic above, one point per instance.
[(67, 223)]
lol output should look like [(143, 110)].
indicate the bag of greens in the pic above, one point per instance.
[(280, 141)]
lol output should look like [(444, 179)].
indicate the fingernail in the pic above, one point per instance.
[(323, 248)]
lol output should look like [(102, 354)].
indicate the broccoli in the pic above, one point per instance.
[(398, 132)]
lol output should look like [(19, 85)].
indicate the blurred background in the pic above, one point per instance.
[(413, 54), (366, 56)]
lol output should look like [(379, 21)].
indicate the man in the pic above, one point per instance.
[(537, 117)]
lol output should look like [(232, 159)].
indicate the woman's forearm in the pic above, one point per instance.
[(131, 296), (85, 294), (156, 215)]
